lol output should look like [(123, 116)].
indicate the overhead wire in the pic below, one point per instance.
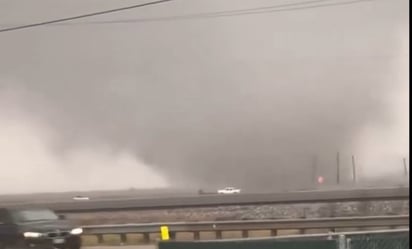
[(213, 13), (311, 4), (99, 13), (229, 13)]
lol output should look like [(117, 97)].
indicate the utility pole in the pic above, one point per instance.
[(315, 170), (353, 169), (338, 168), (405, 167)]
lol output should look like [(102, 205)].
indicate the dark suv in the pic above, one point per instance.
[(36, 228)]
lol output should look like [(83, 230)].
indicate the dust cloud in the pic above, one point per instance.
[(250, 101), (383, 146), (29, 163)]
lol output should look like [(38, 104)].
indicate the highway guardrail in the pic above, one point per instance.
[(218, 227)]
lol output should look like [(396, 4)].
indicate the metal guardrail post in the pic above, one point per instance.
[(100, 239), (146, 237), (123, 238), (196, 235), (172, 235), (218, 234)]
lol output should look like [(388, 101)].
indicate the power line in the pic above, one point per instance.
[(229, 13), (205, 14), (313, 6), (238, 11), (84, 16)]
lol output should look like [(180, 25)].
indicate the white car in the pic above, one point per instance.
[(229, 190), (81, 198)]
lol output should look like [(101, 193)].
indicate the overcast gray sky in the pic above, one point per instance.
[(248, 100)]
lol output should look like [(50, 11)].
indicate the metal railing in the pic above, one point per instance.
[(245, 226)]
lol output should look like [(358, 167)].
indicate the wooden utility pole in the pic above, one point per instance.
[(405, 167), (353, 169), (338, 168), (315, 170)]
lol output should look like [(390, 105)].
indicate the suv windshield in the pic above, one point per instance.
[(34, 215)]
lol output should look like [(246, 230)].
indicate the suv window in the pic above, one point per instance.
[(34, 215)]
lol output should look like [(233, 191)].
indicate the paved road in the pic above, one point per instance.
[(238, 199), (165, 202)]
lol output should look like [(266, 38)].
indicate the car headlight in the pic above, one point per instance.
[(32, 235), (76, 231)]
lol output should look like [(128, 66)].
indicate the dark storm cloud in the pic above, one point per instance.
[(245, 101)]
